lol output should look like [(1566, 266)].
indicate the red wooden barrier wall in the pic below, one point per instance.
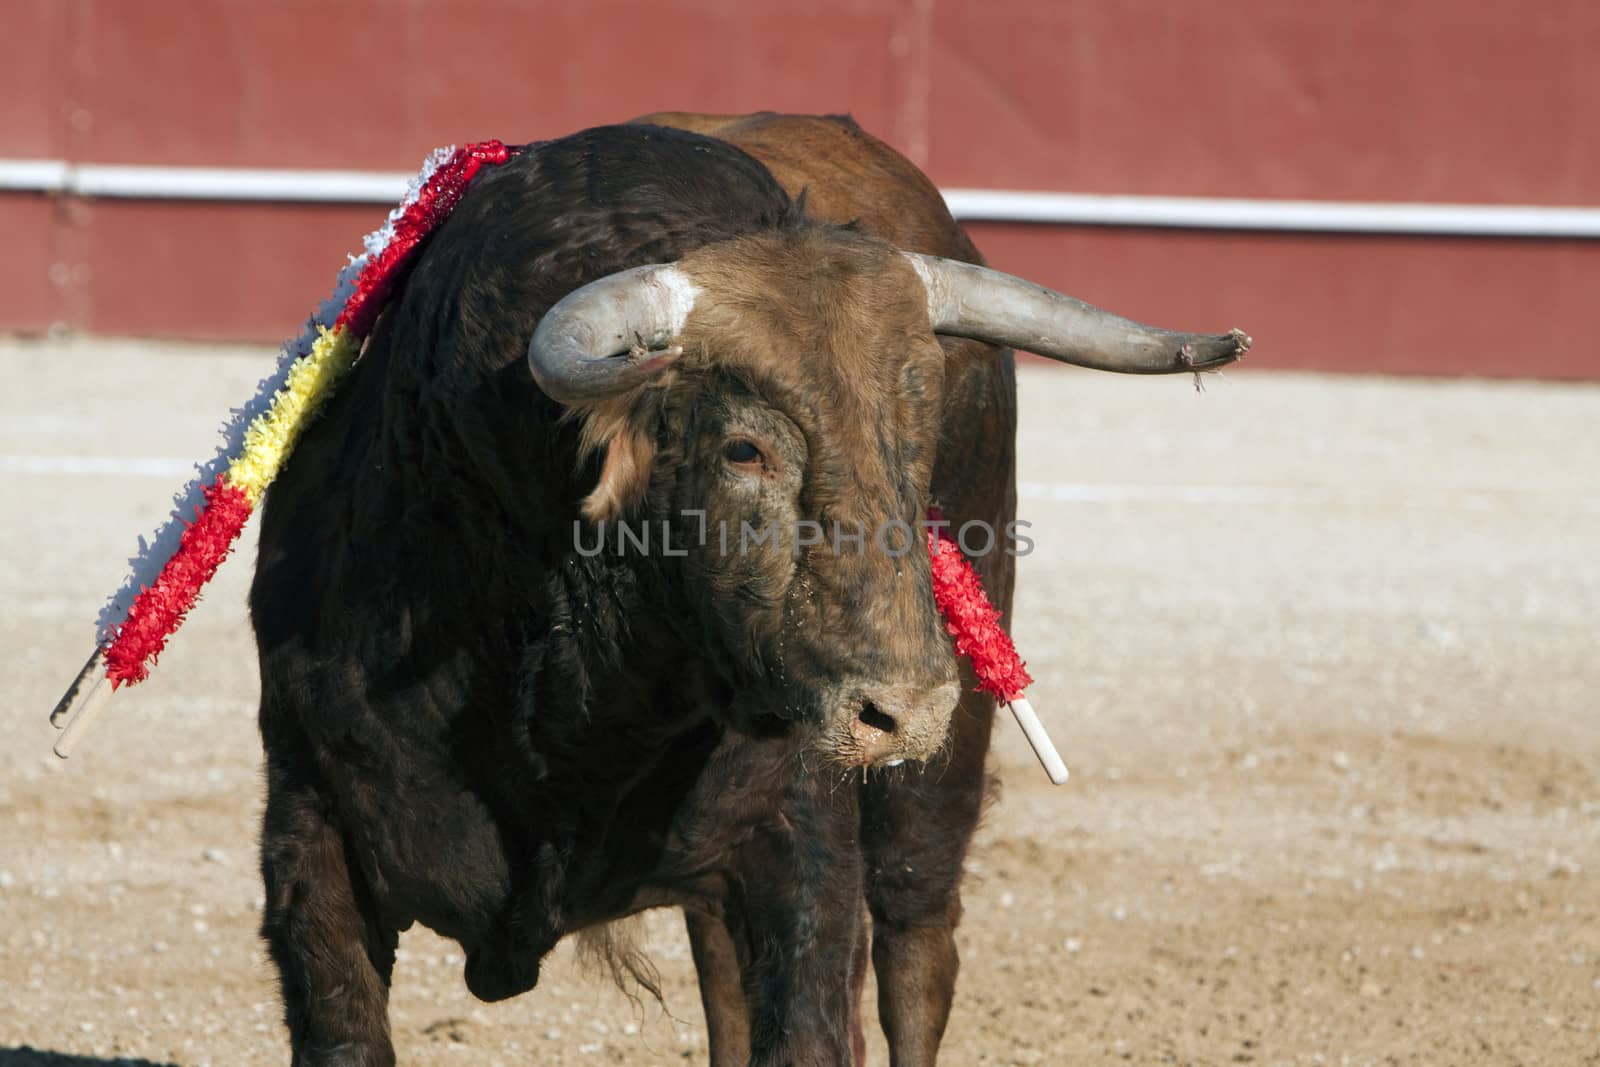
[(1411, 100)]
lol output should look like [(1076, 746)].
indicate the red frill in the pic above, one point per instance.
[(971, 619), (160, 608), (438, 197)]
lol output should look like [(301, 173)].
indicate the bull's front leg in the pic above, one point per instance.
[(719, 966), (915, 828), (719, 963), (797, 895), (334, 959)]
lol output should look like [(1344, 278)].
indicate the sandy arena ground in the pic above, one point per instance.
[(1320, 652)]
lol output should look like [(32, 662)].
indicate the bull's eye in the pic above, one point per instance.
[(741, 452)]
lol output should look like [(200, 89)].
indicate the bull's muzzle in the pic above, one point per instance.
[(897, 722)]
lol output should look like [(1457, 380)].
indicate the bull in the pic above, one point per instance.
[(484, 711)]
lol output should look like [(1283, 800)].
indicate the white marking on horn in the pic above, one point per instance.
[(681, 294), (936, 291)]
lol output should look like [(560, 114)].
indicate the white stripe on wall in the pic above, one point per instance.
[(1313, 216), (988, 205)]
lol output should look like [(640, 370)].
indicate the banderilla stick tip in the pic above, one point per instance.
[(1034, 731), (83, 701)]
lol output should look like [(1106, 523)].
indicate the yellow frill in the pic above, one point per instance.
[(271, 436)]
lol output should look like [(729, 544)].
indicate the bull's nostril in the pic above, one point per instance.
[(874, 718)]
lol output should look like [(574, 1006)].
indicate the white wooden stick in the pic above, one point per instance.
[(78, 691), (82, 702), (1034, 731)]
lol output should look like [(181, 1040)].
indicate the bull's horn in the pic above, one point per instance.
[(597, 340), (986, 305)]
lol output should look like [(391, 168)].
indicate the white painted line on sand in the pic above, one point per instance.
[(1465, 499), (1440, 498), (99, 466), (1118, 493), (46, 423)]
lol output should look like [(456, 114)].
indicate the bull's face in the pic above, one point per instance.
[(814, 433), (804, 611), (789, 384), (791, 448)]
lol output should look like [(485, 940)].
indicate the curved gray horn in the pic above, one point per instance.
[(986, 305), (583, 349)]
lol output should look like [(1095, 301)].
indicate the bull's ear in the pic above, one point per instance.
[(624, 476)]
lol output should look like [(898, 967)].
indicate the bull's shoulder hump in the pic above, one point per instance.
[(847, 175)]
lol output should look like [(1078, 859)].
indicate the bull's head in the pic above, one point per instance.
[(788, 386)]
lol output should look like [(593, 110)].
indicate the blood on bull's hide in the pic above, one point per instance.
[(472, 723)]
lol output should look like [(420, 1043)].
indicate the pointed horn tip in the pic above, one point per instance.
[(1212, 351)]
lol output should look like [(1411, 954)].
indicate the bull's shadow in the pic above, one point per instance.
[(27, 1056)]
